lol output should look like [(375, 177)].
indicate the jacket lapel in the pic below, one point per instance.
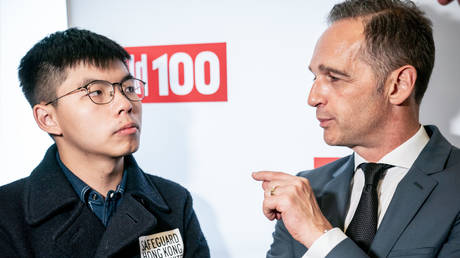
[(51, 202), (335, 197), (135, 216), (47, 190), (411, 193), (129, 222), (79, 236)]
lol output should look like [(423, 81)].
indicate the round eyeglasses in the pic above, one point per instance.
[(102, 92)]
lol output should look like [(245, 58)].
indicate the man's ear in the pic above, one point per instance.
[(45, 116), (402, 84)]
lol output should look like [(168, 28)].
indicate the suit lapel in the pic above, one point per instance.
[(407, 200), (130, 221), (334, 198), (411, 192)]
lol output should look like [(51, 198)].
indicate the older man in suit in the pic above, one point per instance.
[(398, 194)]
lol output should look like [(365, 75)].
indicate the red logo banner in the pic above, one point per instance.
[(181, 73), (321, 161)]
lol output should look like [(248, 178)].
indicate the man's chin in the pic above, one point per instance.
[(332, 140), (328, 139), (332, 143), (127, 150), (338, 143), (132, 149)]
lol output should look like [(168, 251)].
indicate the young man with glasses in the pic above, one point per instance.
[(88, 197)]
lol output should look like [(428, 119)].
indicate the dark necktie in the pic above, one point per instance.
[(363, 226)]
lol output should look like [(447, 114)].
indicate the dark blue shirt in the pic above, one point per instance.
[(102, 208)]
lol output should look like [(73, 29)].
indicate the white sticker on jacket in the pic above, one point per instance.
[(167, 244)]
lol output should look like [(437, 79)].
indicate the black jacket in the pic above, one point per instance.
[(42, 216)]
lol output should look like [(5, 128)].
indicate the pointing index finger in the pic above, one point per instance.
[(269, 175)]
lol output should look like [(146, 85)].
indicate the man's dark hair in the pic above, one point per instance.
[(45, 66), (397, 33)]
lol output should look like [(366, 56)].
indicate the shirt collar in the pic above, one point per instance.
[(133, 182), (80, 187), (405, 154)]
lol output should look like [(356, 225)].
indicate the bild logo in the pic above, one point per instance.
[(181, 73)]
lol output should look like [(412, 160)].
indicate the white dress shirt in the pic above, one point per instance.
[(402, 159)]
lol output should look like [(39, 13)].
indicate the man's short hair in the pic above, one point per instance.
[(45, 66), (397, 33)]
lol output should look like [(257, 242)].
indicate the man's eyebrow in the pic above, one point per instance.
[(85, 81), (324, 68), (127, 77)]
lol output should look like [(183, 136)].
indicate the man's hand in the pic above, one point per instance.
[(444, 2), (291, 198)]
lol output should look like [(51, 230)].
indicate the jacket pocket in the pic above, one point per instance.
[(416, 252)]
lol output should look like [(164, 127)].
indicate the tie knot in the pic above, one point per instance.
[(373, 172)]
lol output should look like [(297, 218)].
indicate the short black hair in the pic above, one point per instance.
[(397, 33), (45, 65)]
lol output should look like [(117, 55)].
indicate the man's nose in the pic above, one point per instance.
[(122, 103), (317, 94)]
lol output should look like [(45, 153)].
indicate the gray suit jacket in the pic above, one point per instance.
[(422, 220)]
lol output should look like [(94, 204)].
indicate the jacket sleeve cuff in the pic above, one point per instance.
[(325, 243)]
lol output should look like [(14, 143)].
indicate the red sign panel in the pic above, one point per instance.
[(181, 73), (321, 161)]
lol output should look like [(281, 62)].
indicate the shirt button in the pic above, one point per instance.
[(94, 196), (112, 194)]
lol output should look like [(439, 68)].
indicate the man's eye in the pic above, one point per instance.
[(130, 89), (95, 93), (332, 78)]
